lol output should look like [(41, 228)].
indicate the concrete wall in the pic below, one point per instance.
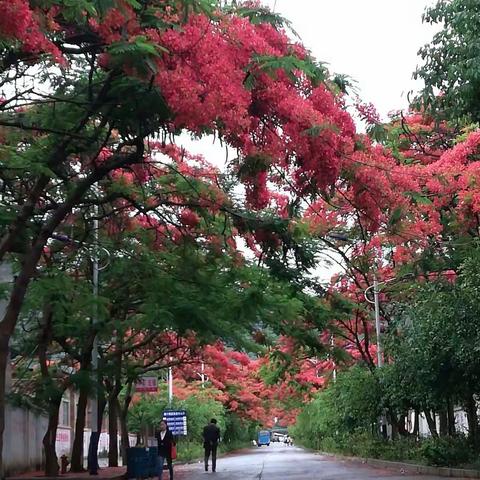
[(24, 431), (461, 422)]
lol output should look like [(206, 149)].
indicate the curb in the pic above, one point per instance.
[(409, 468), (120, 476)]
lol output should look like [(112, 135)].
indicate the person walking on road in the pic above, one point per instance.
[(165, 444), (211, 437)]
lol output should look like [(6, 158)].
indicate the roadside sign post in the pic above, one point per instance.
[(147, 385), (176, 421)]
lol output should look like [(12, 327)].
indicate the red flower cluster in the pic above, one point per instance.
[(18, 22)]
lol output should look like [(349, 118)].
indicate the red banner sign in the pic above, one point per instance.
[(147, 385)]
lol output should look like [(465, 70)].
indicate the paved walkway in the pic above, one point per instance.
[(278, 462), (103, 474)]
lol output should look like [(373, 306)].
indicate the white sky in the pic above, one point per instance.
[(373, 41)]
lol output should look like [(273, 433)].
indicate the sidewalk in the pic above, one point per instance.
[(107, 473), (405, 468)]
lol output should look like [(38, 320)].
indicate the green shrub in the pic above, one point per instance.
[(350, 405), (237, 433), (442, 452), (446, 451), (188, 451)]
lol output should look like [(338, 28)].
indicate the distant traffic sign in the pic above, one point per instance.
[(177, 421)]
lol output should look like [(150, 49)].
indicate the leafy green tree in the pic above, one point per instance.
[(54, 345), (145, 415), (451, 68), (433, 347), (351, 404)]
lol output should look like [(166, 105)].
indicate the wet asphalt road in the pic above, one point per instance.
[(278, 462)]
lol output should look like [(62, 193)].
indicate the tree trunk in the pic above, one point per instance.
[(77, 449), (50, 438), (50, 391), (112, 431), (392, 419), (114, 388), (431, 423), (472, 417), (4, 356), (451, 418), (102, 404), (125, 443), (402, 429), (416, 424), (443, 416), (124, 438), (94, 439)]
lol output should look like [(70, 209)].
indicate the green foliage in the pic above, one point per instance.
[(291, 65), (316, 130), (259, 14), (418, 198), (198, 6), (366, 445), (146, 414), (344, 83), (135, 108), (443, 452), (74, 10), (238, 431), (452, 61), (446, 451), (351, 404), (433, 344)]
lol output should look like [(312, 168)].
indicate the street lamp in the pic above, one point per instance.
[(376, 303), (170, 386), (202, 375), (170, 383), (332, 345), (96, 269)]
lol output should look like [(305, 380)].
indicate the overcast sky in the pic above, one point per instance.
[(373, 41)]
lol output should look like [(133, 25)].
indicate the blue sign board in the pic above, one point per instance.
[(176, 421)]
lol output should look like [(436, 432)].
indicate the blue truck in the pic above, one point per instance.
[(263, 438)]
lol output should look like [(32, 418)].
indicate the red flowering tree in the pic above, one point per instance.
[(240, 382), (95, 93), (407, 212)]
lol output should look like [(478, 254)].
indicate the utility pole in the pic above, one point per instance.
[(376, 303), (377, 321), (332, 344), (170, 386), (96, 268), (95, 435)]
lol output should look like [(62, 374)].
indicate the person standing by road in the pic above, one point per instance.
[(165, 444), (211, 437)]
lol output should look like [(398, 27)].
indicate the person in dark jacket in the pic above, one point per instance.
[(211, 437), (165, 443)]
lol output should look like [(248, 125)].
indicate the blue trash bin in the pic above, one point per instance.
[(152, 461), (138, 463)]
